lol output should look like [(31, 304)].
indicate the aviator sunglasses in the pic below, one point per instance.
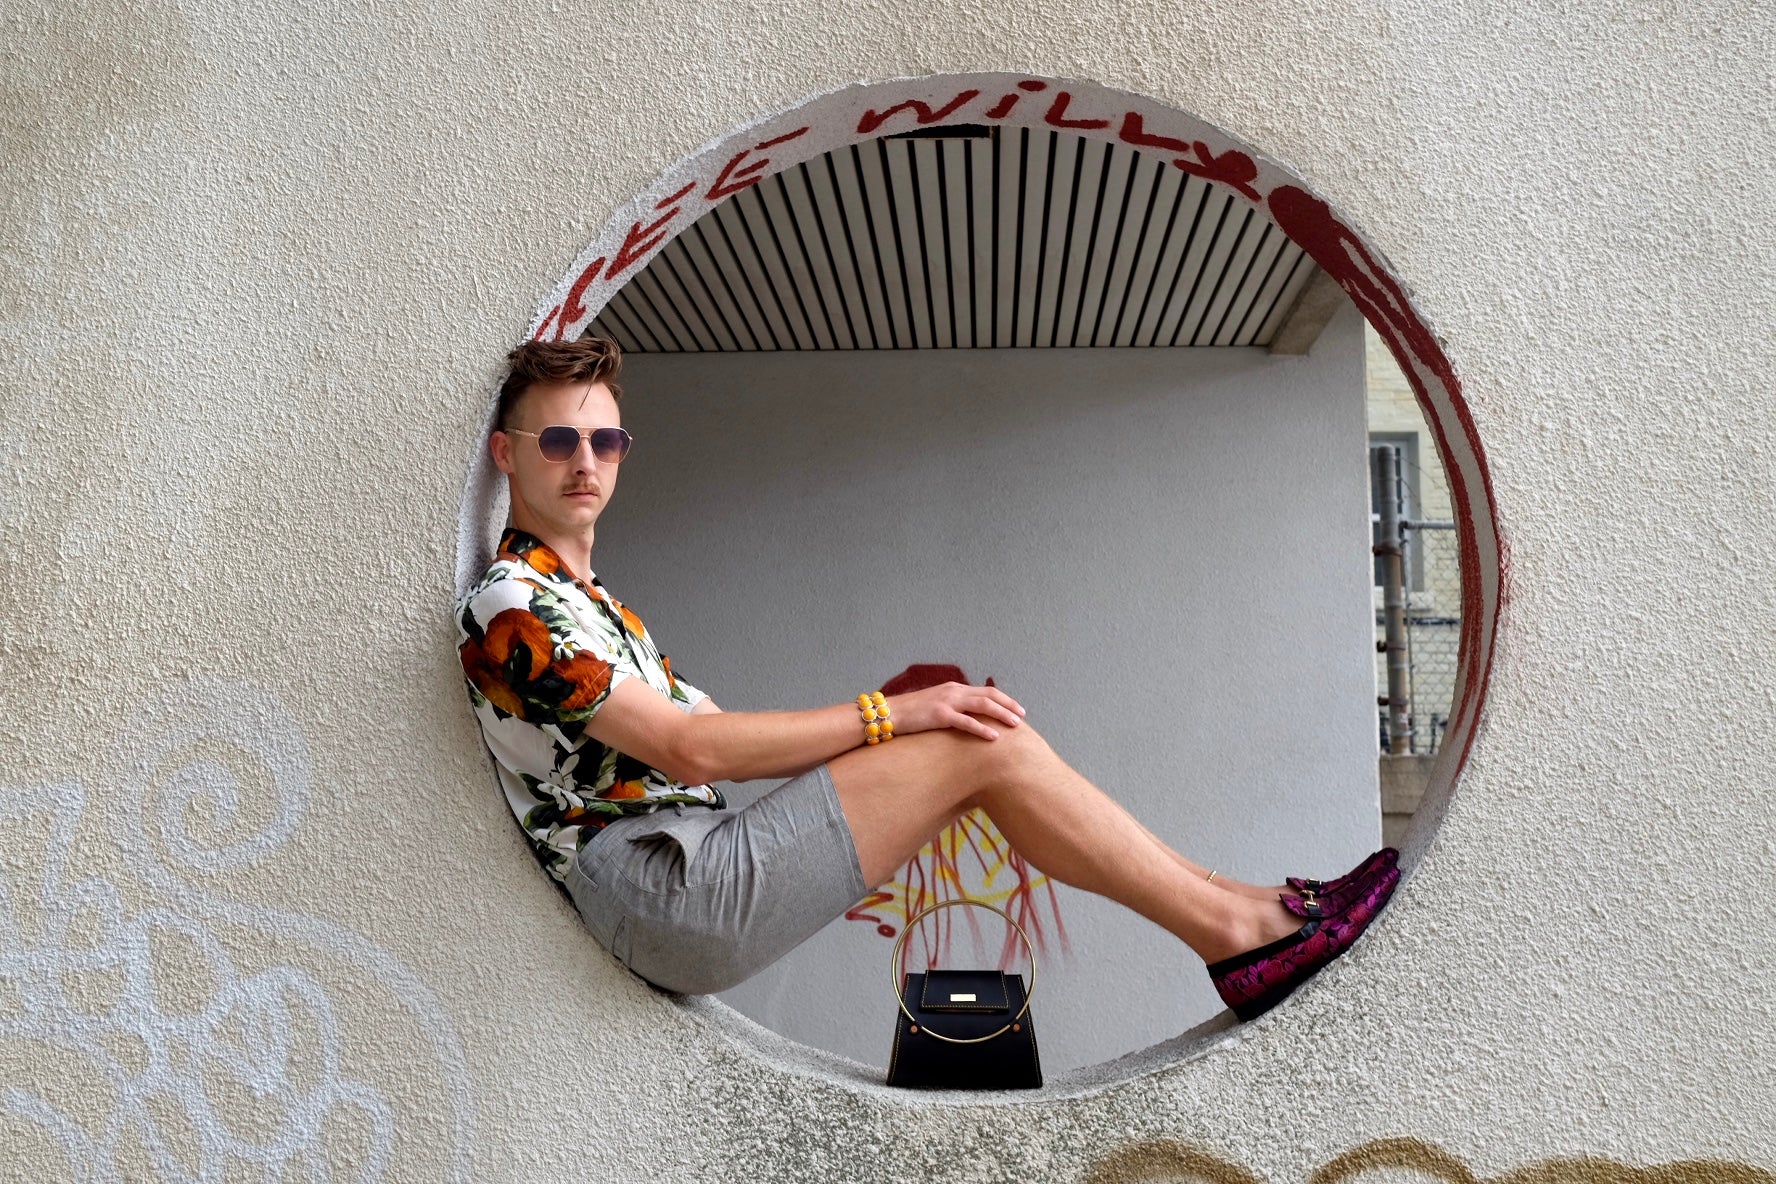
[(559, 442)]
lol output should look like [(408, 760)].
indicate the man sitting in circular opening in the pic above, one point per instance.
[(607, 757)]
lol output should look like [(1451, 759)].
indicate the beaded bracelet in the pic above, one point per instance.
[(877, 727)]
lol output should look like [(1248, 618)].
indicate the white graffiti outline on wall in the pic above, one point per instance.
[(245, 1033)]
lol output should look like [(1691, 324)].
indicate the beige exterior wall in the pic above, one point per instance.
[(262, 918)]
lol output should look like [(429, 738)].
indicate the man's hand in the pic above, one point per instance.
[(953, 705)]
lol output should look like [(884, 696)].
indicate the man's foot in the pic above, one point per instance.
[(1257, 926), (1253, 982), (1343, 891), (1304, 887), (1255, 891), (1384, 858)]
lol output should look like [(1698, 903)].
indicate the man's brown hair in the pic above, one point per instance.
[(588, 360)]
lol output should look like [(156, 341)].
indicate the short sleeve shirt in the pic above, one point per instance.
[(541, 651)]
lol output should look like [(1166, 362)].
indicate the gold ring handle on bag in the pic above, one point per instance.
[(894, 961)]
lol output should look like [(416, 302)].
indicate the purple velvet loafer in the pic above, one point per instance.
[(1254, 982), (1334, 896)]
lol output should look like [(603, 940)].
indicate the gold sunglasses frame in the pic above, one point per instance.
[(585, 434)]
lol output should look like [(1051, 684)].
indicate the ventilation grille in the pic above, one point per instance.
[(972, 238)]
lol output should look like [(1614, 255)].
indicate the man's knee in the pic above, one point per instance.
[(1015, 751)]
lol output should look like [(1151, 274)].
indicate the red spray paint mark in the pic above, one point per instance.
[(921, 111), (861, 913), (547, 321), (1134, 131), (1057, 115), (1003, 107), (640, 242), (1232, 167), (676, 197), (732, 178), (571, 308), (1309, 222)]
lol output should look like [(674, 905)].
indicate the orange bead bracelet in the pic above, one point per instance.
[(877, 727)]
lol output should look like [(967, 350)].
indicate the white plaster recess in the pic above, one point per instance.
[(863, 111)]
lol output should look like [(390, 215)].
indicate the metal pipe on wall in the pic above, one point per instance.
[(1393, 600)]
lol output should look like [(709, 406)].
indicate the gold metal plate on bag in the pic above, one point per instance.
[(1029, 992)]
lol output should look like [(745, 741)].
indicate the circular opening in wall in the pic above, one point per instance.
[(1032, 380)]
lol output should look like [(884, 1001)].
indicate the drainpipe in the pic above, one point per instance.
[(1393, 601)]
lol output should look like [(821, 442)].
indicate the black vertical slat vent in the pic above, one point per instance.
[(966, 238)]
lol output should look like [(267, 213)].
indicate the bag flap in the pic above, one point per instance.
[(964, 990)]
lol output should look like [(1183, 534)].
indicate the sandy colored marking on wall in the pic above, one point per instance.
[(1165, 1160), (1433, 1162)]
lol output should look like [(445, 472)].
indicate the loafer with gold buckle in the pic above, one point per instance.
[(1334, 896), (1254, 982)]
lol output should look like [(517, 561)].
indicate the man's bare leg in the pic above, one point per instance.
[(897, 796), (1221, 880)]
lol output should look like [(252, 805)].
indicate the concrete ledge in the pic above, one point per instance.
[(1403, 782), (777, 1052)]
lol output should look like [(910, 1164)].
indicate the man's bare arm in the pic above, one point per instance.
[(709, 744), (718, 745)]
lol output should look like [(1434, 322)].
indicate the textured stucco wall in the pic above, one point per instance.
[(1161, 553), (260, 264)]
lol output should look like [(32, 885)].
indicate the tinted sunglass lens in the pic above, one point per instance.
[(559, 443), (610, 444)]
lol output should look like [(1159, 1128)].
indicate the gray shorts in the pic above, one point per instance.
[(698, 900)]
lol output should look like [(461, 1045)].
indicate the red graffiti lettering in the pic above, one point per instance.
[(1134, 132), (732, 178), (547, 321), (639, 242), (1057, 115), (923, 113), (730, 181), (571, 308), (1232, 167), (1003, 107), (675, 198)]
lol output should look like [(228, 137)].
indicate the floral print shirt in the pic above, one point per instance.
[(541, 651)]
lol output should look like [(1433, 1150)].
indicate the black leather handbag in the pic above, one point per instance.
[(964, 1029)]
